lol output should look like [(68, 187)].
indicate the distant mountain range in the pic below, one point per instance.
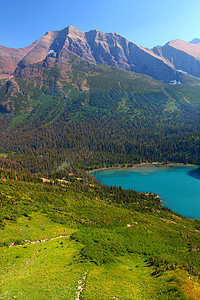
[(195, 41), (161, 63)]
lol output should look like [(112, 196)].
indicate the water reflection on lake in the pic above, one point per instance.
[(178, 187)]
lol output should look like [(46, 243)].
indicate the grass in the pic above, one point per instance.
[(38, 228), (155, 257), (41, 271), (52, 269), (130, 278)]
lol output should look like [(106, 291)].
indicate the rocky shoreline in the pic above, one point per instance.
[(155, 164)]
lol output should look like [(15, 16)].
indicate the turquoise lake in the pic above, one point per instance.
[(177, 187)]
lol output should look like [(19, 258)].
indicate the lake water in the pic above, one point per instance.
[(177, 187)]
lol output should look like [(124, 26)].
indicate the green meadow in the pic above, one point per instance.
[(75, 240)]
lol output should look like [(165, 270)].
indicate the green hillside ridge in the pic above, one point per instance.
[(61, 236)]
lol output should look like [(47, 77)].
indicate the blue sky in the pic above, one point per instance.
[(146, 23)]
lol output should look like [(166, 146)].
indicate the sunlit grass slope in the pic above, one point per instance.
[(78, 239)]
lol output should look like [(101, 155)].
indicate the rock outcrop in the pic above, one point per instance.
[(184, 56), (9, 59)]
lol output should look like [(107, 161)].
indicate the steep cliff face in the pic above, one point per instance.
[(114, 50), (9, 58), (94, 46), (184, 56)]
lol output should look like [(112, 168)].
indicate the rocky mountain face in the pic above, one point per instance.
[(9, 59), (184, 56), (111, 49), (114, 50), (94, 46)]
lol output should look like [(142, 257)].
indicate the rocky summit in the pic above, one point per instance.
[(162, 63), (184, 56), (95, 46), (195, 41)]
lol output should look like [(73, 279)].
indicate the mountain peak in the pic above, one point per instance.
[(73, 30), (183, 55), (71, 27), (195, 41)]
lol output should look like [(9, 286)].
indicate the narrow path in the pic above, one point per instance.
[(39, 241), (81, 285)]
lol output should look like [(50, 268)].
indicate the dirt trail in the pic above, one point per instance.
[(81, 285), (39, 241)]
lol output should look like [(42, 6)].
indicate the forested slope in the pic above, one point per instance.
[(68, 110)]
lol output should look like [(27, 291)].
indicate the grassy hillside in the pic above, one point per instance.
[(64, 237)]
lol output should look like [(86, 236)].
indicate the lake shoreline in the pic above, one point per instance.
[(155, 164), (176, 201)]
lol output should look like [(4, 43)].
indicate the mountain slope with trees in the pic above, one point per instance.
[(68, 110)]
